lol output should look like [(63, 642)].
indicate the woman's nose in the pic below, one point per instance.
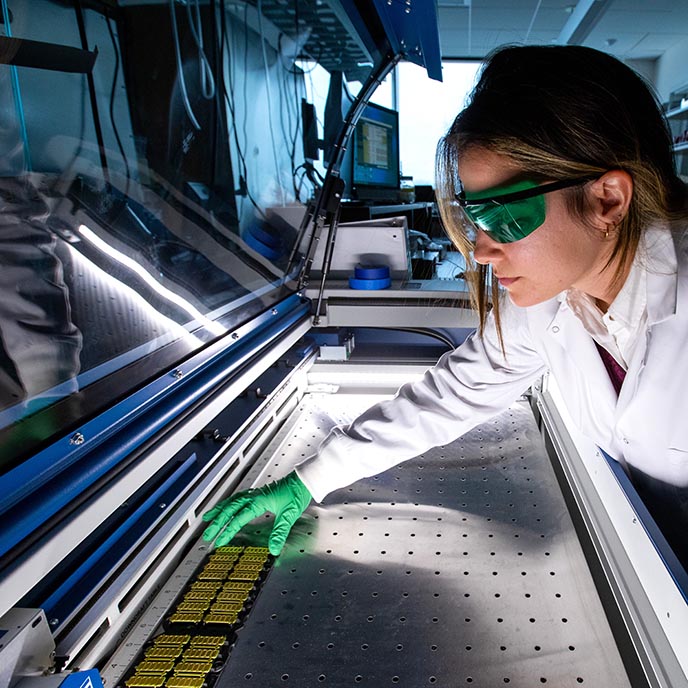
[(486, 249)]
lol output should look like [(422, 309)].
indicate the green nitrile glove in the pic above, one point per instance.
[(286, 498)]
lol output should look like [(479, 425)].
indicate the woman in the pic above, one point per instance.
[(557, 183)]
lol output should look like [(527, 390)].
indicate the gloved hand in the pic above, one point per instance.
[(287, 498)]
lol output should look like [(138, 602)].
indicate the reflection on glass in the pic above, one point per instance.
[(151, 190)]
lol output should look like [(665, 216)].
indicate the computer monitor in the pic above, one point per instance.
[(376, 154), (337, 106), (309, 131)]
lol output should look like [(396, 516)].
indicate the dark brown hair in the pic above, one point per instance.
[(561, 112)]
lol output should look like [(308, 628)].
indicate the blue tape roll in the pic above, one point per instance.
[(264, 236), (367, 272), (369, 283), (263, 249)]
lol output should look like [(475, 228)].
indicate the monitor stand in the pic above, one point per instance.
[(378, 195)]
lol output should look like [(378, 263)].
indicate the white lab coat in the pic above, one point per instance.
[(646, 426)]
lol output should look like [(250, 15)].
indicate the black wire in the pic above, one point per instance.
[(282, 97), (245, 88), (319, 123), (292, 134), (300, 185), (451, 262), (296, 92), (81, 24), (310, 169), (216, 97), (112, 105), (243, 172), (461, 274), (80, 147), (270, 120), (296, 72), (308, 56), (294, 126), (285, 128), (229, 101), (427, 332)]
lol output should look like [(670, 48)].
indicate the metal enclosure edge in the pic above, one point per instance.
[(642, 641)]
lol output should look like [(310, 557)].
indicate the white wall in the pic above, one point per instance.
[(646, 68), (672, 70)]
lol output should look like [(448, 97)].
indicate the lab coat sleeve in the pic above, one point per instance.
[(466, 387)]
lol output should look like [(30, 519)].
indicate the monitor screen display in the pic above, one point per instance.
[(376, 148)]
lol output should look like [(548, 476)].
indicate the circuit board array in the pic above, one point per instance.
[(197, 634)]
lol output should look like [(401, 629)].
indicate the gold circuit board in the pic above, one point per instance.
[(197, 634)]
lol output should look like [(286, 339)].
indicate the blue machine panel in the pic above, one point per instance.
[(412, 30), (83, 679)]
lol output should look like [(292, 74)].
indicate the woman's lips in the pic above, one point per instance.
[(506, 282)]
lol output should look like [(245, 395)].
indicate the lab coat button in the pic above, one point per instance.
[(625, 439), (555, 329)]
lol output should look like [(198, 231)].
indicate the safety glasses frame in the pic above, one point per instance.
[(512, 230), (466, 200)]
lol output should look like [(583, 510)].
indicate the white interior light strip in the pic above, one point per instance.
[(166, 293)]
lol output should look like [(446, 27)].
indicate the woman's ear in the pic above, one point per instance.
[(610, 198)]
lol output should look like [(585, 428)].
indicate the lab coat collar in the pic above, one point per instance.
[(568, 330), (661, 246), (579, 349), (658, 253), (562, 326)]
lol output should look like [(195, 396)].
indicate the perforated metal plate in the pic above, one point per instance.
[(459, 568)]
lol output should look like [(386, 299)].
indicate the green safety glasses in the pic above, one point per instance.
[(510, 213)]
